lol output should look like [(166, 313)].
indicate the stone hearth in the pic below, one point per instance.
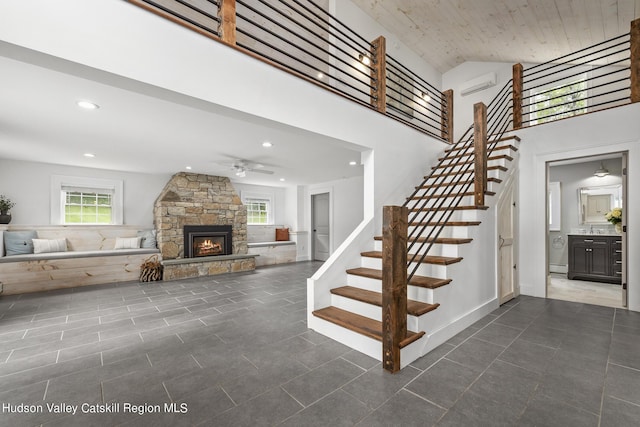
[(197, 199)]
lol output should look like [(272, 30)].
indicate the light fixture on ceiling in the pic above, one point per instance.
[(601, 172), (364, 59), (353, 163), (188, 168), (267, 144), (87, 105), (241, 173), (282, 180), (90, 155)]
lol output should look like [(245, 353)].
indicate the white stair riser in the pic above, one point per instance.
[(447, 231), (458, 215), (367, 283), (436, 249), (368, 310), (430, 270)]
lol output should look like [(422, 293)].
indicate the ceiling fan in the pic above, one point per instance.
[(241, 167)]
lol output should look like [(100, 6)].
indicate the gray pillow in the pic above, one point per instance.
[(19, 242), (148, 238)]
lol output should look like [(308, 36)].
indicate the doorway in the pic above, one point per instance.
[(507, 268), (321, 226), (586, 254)]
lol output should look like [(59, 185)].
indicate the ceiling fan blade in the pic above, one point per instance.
[(261, 171)]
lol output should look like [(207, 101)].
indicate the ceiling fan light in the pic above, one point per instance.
[(241, 173)]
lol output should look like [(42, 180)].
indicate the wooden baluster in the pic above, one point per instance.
[(447, 116), (635, 60), (517, 96), (394, 284), (480, 150), (379, 74), (227, 15)]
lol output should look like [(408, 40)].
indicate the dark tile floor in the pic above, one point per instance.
[(235, 350)]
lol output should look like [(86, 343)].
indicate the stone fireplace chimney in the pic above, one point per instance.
[(196, 199)]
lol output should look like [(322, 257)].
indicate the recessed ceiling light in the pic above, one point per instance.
[(188, 168), (352, 163), (87, 105), (89, 155), (267, 144), (282, 180)]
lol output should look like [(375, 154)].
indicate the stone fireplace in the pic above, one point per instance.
[(201, 209)]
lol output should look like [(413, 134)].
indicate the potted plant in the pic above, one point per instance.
[(615, 217), (5, 206)]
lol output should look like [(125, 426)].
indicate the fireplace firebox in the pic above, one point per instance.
[(207, 240)]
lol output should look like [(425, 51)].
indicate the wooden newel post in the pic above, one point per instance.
[(447, 116), (635, 60), (394, 284), (480, 151), (227, 15), (379, 74), (517, 96)]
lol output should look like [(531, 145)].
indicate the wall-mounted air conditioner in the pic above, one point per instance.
[(479, 83)]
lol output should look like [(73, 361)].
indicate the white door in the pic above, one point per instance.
[(320, 225), (507, 272)]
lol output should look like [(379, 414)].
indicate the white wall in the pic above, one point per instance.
[(29, 185), (610, 131), (463, 105), (346, 207)]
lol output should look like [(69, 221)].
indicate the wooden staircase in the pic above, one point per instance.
[(356, 305)]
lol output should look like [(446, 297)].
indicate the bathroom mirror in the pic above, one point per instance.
[(595, 202)]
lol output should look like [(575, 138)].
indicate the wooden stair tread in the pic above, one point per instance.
[(448, 208), (414, 308), (440, 240), (439, 196), (420, 281), (363, 325), (429, 259)]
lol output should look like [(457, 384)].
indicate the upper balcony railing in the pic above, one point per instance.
[(302, 38)]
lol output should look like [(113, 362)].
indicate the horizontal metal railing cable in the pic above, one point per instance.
[(499, 120), (213, 31), (433, 92), (556, 62)]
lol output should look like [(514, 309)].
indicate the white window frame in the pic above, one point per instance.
[(247, 197), (60, 182)]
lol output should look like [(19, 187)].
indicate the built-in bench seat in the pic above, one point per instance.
[(271, 253), (90, 259)]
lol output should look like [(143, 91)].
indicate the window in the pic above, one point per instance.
[(87, 207), (78, 200), (258, 211), (559, 102), (259, 208)]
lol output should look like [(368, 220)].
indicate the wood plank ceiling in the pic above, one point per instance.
[(447, 33)]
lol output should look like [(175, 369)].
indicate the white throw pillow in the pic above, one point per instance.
[(127, 242), (43, 246)]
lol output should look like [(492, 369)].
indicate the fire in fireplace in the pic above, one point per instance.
[(207, 240)]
